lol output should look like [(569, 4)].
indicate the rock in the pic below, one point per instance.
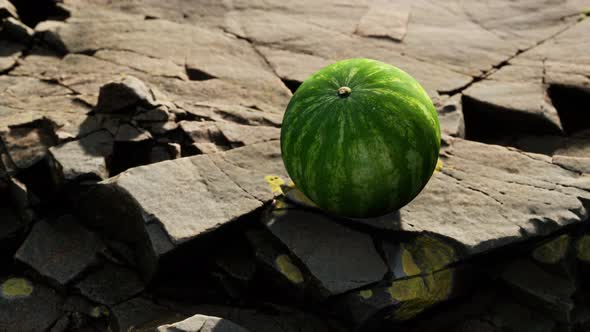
[(11, 52), (61, 325), (450, 116), (190, 180), (17, 31), (385, 20), (82, 159), (293, 67), (27, 306), (227, 134), (581, 165), (453, 198), (550, 294), (111, 284), (120, 96), (64, 243), (28, 144), (277, 264), (206, 148), (144, 63), (313, 239), (553, 251), (7, 9), (493, 108), (165, 152), (202, 323), (205, 132), (268, 318), (227, 186), (233, 113), (130, 133), (138, 311)]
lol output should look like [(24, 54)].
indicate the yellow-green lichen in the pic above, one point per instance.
[(412, 296), (275, 182), (16, 288), (99, 311), (409, 266), (366, 294), (288, 269), (439, 166), (430, 254), (583, 248), (417, 294), (552, 251)]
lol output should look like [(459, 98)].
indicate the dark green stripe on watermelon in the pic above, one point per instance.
[(366, 153)]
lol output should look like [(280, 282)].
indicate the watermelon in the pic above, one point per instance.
[(360, 138)]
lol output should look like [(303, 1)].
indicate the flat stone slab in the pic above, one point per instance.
[(84, 158), (110, 284), (175, 201), (339, 258), (480, 200), (27, 306), (64, 243)]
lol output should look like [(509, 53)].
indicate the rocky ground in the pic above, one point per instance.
[(142, 184)]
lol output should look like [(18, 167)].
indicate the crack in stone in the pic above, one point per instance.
[(266, 61), (495, 67), (460, 182), (231, 179)]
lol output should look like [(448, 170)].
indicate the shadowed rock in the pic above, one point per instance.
[(202, 323), (64, 244)]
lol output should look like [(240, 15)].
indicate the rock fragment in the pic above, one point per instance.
[(121, 95), (326, 249), (110, 284), (82, 159), (27, 306), (63, 243), (202, 323)]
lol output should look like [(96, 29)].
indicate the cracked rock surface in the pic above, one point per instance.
[(142, 186)]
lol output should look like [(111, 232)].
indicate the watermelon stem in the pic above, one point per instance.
[(344, 91)]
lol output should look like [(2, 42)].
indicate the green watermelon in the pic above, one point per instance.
[(360, 138)]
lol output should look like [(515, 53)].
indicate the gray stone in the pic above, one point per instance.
[(123, 94), (272, 318), (17, 31), (234, 113), (130, 133), (7, 9), (581, 165), (139, 311), (27, 306), (110, 284), (293, 67), (61, 325), (326, 249), (180, 184), (451, 204), (187, 196), (202, 323), (277, 263), (64, 243), (84, 158), (385, 19), (548, 293), (10, 52), (143, 63), (495, 108), (240, 135)]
